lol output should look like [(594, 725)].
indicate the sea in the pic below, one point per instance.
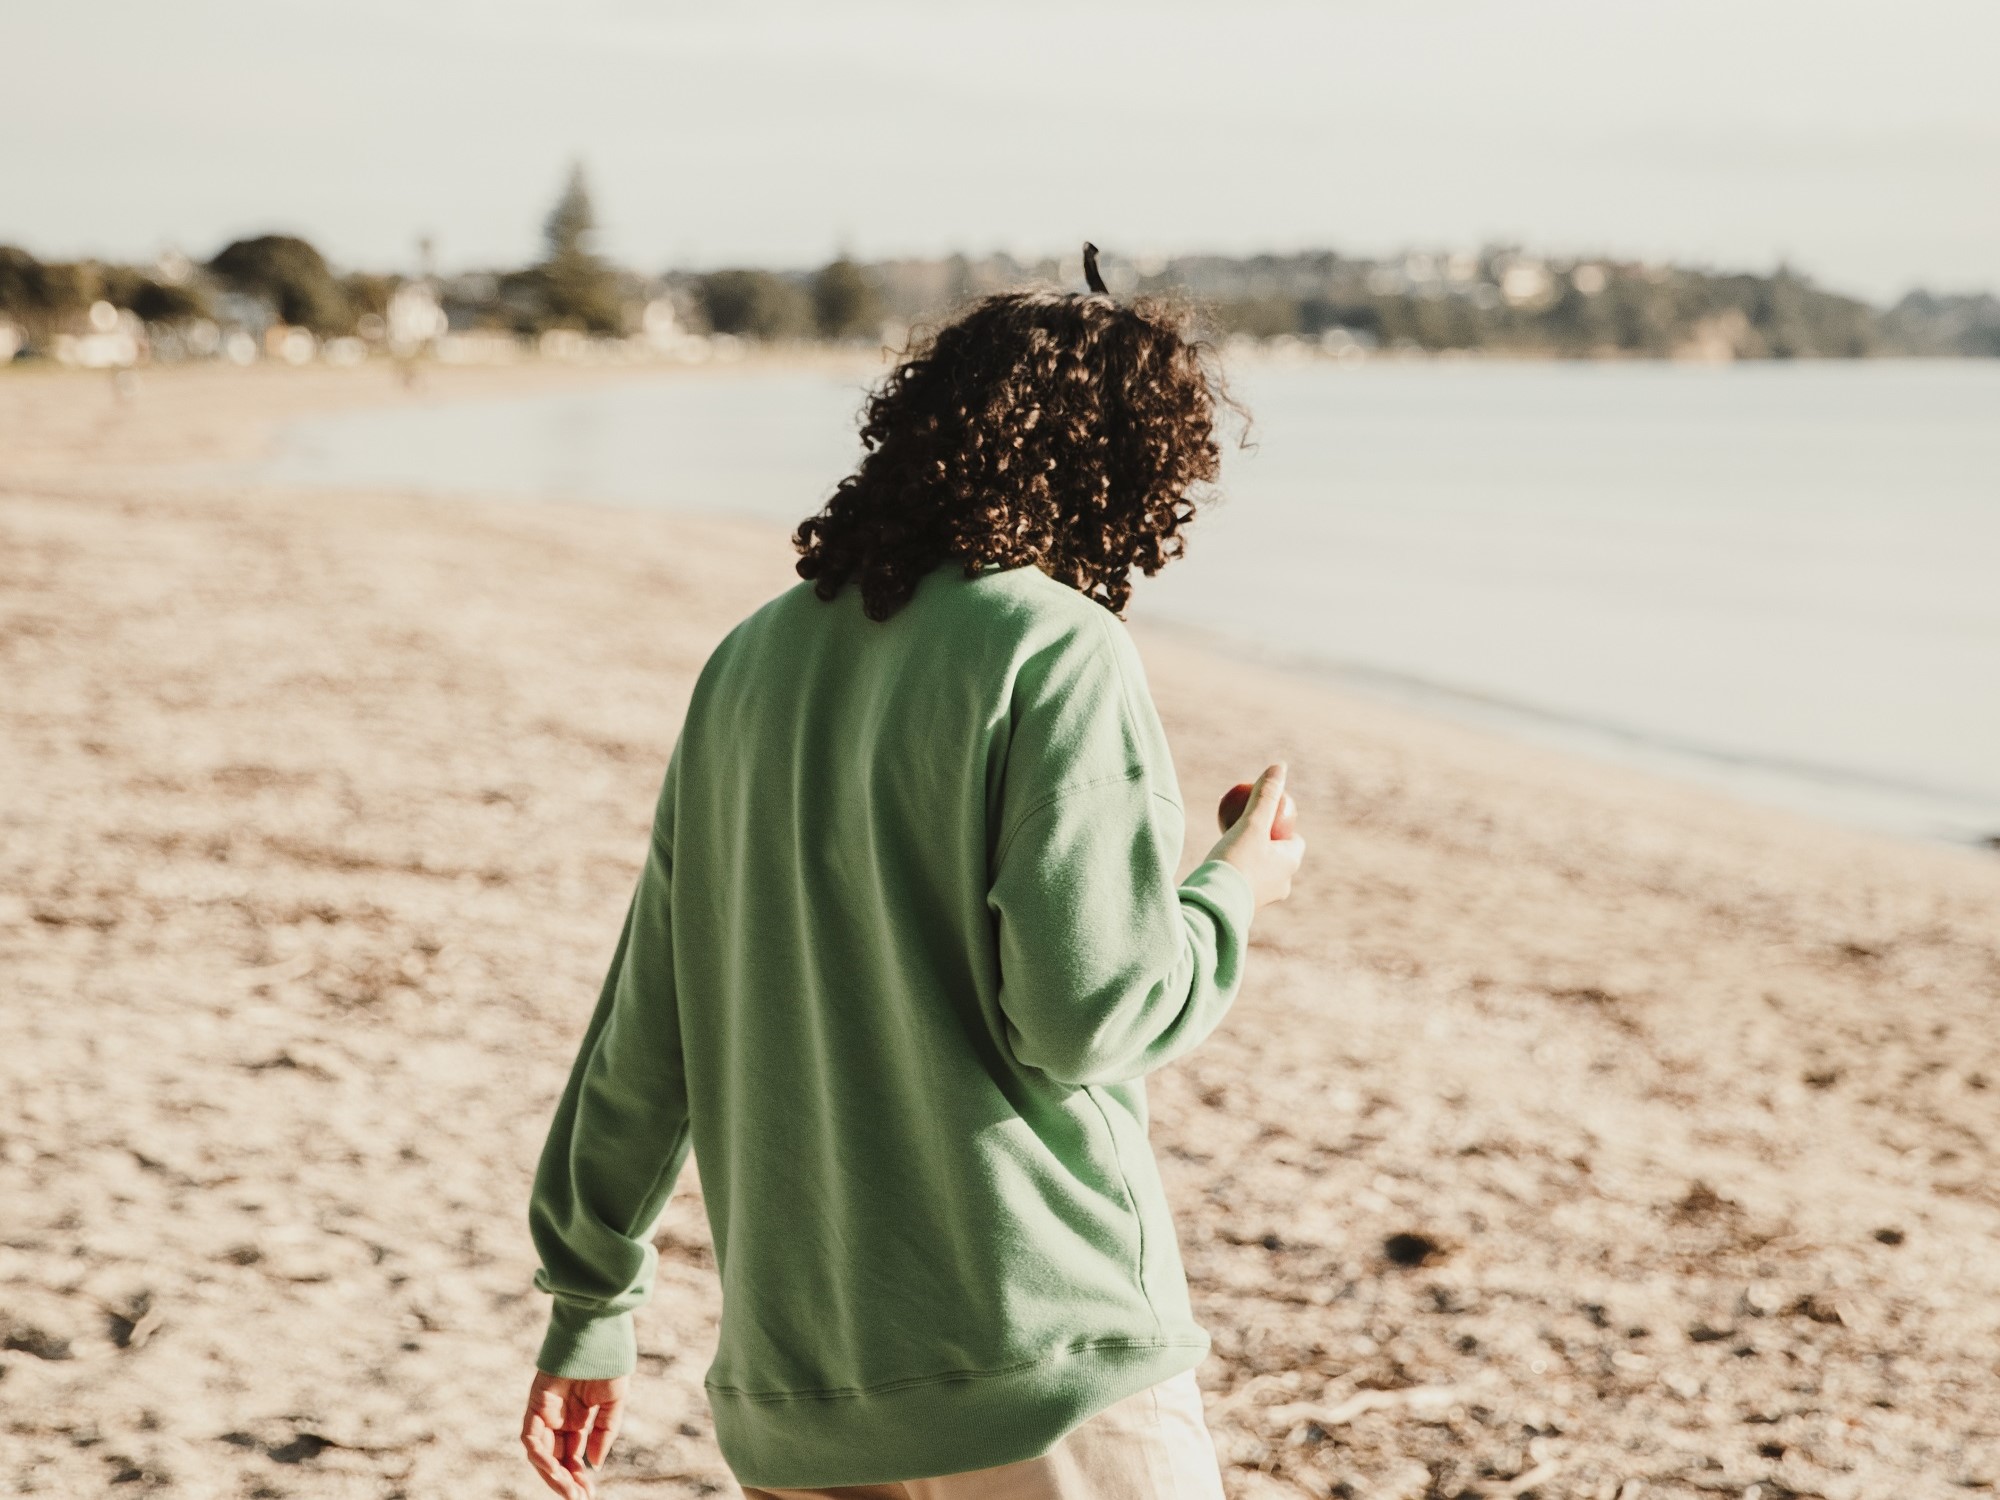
[(1780, 580)]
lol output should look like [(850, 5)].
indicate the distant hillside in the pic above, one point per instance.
[(1499, 300), (276, 295), (1928, 324)]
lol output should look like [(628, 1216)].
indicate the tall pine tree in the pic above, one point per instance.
[(578, 290), (572, 222)]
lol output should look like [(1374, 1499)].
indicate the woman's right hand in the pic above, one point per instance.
[(1267, 863)]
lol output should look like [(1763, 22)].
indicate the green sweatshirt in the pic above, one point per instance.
[(906, 941)]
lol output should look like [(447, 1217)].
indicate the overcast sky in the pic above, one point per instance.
[(1861, 141)]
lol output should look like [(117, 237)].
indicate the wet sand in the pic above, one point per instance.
[(1576, 1134)]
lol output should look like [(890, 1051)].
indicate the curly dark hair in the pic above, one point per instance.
[(1063, 430)]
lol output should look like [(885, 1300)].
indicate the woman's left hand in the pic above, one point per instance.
[(569, 1429)]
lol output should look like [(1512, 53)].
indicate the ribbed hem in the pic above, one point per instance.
[(1227, 887), (586, 1345), (948, 1425)]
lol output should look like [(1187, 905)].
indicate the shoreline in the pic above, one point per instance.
[(1826, 792), (303, 393), (1686, 764), (52, 422), (331, 805)]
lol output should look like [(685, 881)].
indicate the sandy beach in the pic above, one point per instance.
[(1576, 1134)]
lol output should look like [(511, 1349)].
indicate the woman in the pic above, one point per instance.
[(906, 942)]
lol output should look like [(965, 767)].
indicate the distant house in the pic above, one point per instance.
[(1525, 283), (244, 312), (114, 340), (415, 318)]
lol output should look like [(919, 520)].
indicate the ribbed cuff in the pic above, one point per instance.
[(586, 1345), (1227, 889)]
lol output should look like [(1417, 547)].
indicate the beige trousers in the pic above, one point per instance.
[(1151, 1446)]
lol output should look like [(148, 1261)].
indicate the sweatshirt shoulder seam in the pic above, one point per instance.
[(1128, 709), (1132, 773)]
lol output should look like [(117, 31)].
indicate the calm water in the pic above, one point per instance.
[(1783, 580)]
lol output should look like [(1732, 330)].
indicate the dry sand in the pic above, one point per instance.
[(1576, 1134)]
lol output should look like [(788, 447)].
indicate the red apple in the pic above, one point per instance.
[(1237, 798)]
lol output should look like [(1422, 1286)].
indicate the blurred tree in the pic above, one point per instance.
[(167, 302), (574, 288), (581, 292), (24, 285), (31, 286), (154, 300), (20, 279), (43, 296), (164, 302), (1777, 312), (289, 274), (1260, 317), (1441, 323), (1641, 316), (1929, 323), (845, 302), (959, 283), (572, 223), (1318, 314), (756, 304), (121, 286), (1579, 323), (1797, 320), (367, 292)]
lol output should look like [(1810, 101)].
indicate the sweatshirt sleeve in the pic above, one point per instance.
[(1108, 969), (618, 1140)]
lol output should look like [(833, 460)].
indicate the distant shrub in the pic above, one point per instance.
[(39, 295), (154, 300), (368, 293), (756, 304), (289, 274), (845, 301), (580, 291)]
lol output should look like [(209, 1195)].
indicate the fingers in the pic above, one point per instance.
[(560, 1423), (575, 1436), (592, 1419), (604, 1433), (1266, 797), (539, 1440), (1287, 818)]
